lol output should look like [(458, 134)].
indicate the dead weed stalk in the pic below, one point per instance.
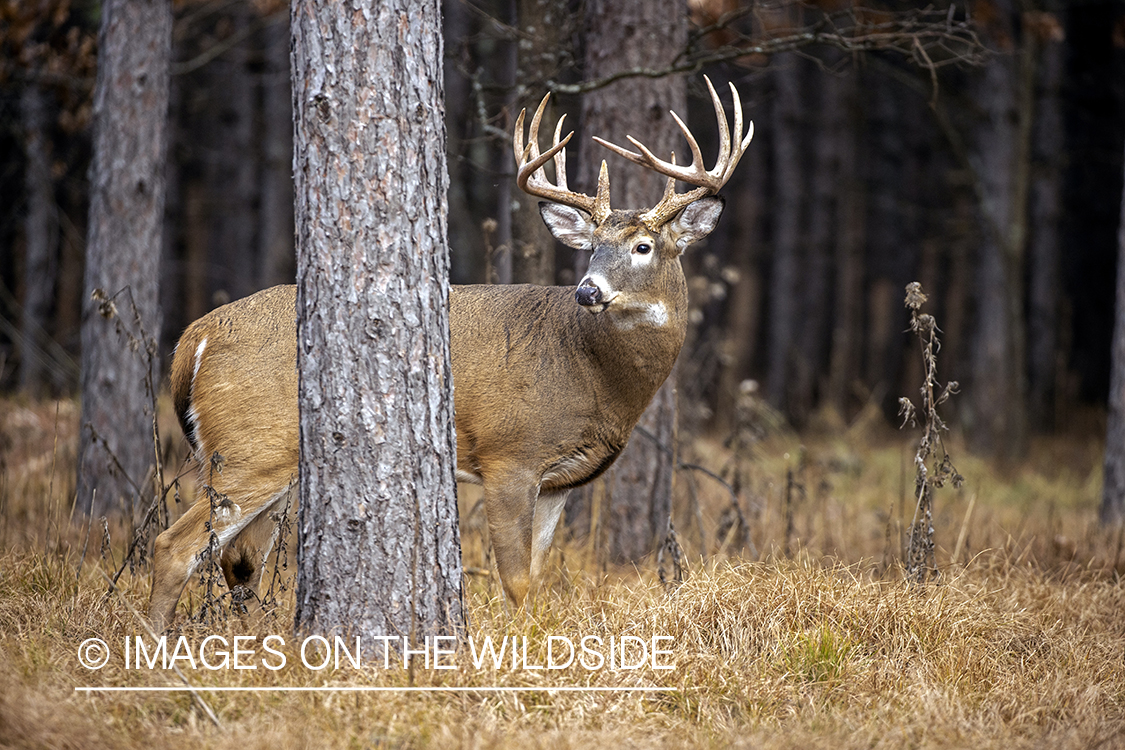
[(920, 563)]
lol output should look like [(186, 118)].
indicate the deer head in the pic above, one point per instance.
[(635, 253)]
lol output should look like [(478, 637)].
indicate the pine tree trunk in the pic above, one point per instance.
[(379, 550), (789, 189), (123, 251), (885, 228), (232, 178), (466, 242), (1044, 242), (1113, 487), (544, 28), (40, 238), (1005, 95), (276, 259), (847, 333), (813, 332), (744, 221), (999, 383), (499, 263), (619, 36)]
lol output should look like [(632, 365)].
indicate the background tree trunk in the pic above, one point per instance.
[(789, 186), (41, 238), (1043, 243), (844, 366), (1003, 153), (1113, 487), (544, 24), (123, 250), (276, 259), (814, 332), (379, 549), (625, 35), (232, 172)]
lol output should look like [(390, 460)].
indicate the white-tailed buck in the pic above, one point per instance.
[(548, 381)]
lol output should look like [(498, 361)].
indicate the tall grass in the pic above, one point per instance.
[(1021, 644)]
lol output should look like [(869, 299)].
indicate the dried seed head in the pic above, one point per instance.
[(906, 411), (915, 298), (923, 324)]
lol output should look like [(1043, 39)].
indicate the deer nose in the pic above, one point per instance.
[(588, 294)]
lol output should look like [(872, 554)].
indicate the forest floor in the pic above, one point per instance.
[(796, 630)]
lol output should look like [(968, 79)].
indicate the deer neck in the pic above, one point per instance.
[(635, 348)]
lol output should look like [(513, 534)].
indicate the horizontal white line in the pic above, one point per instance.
[(361, 689)]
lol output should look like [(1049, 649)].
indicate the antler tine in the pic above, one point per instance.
[(740, 148), (532, 179), (724, 134), (692, 173), (560, 157), (706, 181)]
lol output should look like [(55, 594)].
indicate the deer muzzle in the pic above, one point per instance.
[(591, 296)]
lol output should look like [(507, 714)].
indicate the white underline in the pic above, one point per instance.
[(361, 689)]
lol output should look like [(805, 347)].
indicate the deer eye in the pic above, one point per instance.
[(643, 248)]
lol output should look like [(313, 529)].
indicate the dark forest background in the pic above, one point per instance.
[(986, 164)]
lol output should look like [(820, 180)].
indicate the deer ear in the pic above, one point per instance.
[(570, 226), (696, 221)]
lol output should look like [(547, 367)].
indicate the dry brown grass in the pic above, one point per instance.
[(1021, 644)]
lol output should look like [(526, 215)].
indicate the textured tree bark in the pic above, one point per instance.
[(1113, 487), (544, 27), (619, 36), (41, 242), (379, 550), (123, 250)]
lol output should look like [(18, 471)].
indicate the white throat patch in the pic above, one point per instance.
[(648, 314)]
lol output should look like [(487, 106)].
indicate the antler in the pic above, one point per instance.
[(708, 181), (532, 179)]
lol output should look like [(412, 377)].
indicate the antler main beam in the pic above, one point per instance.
[(532, 178), (707, 181)]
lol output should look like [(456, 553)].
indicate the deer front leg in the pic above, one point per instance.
[(177, 552), (548, 509), (510, 507)]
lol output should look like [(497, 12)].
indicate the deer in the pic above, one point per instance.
[(548, 382)]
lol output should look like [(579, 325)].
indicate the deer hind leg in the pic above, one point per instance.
[(510, 507), (548, 509), (244, 560), (178, 551)]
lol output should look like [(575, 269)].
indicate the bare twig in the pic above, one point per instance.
[(930, 37), (671, 549)]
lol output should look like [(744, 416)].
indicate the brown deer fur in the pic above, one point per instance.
[(548, 382), (546, 395)]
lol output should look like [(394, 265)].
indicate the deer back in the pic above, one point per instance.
[(234, 383)]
